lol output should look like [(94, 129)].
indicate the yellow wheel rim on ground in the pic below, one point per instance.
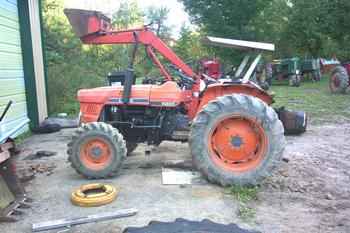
[(94, 195)]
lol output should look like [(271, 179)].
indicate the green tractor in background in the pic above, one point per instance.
[(294, 70), (311, 67), (285, 69)]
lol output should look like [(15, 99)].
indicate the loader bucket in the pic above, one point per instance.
[(85, 22)]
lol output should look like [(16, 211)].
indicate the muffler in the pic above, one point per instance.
[(294, 122)]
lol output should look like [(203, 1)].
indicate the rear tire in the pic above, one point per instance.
[(242, 110), (339, 80), (97, 150)]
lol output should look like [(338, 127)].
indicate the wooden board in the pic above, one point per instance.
[(172, 176)]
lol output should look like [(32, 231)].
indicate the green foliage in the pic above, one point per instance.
[(128, 15), (226, 18), (244, 195), (316, 24), (189, 46), (158, 17), (297, 27)]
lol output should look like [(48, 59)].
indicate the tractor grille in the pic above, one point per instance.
[(91, 109)]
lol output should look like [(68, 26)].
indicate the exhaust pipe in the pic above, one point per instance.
[(129, 76), (128, 82)]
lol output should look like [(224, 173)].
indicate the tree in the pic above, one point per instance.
[(297, 27), (189, 45), (158, 16), (319, 27), (225, 17), (128, 15), (72, 65)]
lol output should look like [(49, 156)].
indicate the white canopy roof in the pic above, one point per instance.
[(238, 44)]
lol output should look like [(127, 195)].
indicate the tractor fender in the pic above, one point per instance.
[(216, 90)]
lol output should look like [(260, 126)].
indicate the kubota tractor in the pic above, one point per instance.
[(235, 136)]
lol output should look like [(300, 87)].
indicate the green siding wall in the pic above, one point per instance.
[(12, 85)]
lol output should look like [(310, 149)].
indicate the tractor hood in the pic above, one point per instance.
[(102, 95), (146, 94)]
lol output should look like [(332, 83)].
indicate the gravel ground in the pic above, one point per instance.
[(309, 193)]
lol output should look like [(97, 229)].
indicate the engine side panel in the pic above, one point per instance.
[(93, 100), (167, 95)]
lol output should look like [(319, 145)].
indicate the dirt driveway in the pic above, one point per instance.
[(309, 193)]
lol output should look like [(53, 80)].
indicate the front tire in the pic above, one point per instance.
[(97, 150), (236, 139)]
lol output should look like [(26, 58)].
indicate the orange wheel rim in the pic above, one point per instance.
[(238, 144), (95, 153)]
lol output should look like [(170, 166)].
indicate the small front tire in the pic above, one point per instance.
[(97, 150)]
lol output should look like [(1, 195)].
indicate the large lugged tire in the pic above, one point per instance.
[(236, 139), (339, 80), (97, 150)]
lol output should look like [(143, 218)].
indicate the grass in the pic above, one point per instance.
[(244, 195), (314, 98)]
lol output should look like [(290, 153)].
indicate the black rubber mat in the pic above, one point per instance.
[(185, 226)]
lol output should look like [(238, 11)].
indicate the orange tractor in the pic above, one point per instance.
[(235, 136)]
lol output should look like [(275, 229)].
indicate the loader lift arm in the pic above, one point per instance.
[(147, 38)]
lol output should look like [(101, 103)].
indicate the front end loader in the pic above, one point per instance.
[(234, 134)]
